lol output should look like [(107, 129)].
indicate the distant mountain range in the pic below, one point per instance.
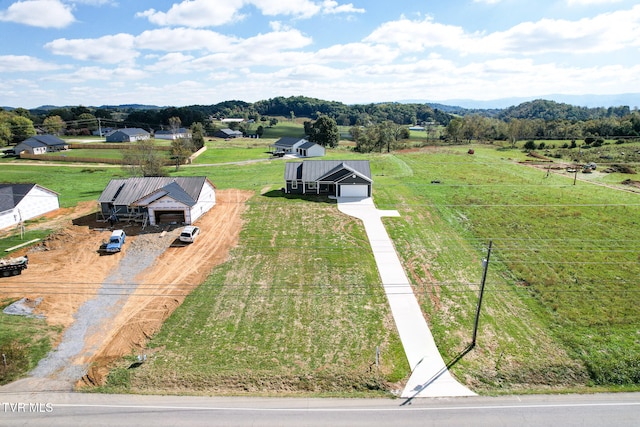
[(632, 100)]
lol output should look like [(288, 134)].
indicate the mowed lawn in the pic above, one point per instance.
[(298, 308)]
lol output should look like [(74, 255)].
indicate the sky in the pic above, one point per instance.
[(187, 52)]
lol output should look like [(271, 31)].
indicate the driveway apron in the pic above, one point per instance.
[(429, 374)]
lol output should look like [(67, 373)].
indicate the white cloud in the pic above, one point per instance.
[(23, 63), (309, 72), (606, 32), (210, 13), (356, 53), (93, 2), (412, 35), (591, 2), (197, 13), (39, 13), (332, 7), (301, 8), (113, 49), (275, 41), (602, 33), (172, 63), (184, 39), (99, 73)]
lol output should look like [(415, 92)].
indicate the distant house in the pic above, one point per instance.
[(20, 202), (232, 120), (417, 128), (181, 133), (40, 144), (102, 131), (340, 178), (128, 135), (228, 133), (158, 200), (297, 146)]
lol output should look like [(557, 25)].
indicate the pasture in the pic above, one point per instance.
[(297, 308)]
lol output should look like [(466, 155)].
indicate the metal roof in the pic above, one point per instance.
[(314, 170), (127, 191), (131, 131), (50, 140), (31, 142), (307, 144), (287, 141), (174, 191)]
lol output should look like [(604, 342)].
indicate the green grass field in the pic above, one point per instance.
[(23, 341), (298, 308)]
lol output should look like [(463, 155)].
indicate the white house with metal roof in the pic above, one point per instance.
[(20, 202), (158, 200), (40, 144), (340, 178), (299, 147)]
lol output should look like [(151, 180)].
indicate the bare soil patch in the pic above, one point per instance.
[(67, 270)]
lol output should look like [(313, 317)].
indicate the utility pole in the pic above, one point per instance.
[(485, 263)]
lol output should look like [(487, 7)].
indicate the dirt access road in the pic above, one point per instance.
[(66, 273)]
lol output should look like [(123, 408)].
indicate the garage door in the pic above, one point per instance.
[(169, 217), (354, 191)]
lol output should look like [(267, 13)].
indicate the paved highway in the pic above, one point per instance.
[(70, 409)]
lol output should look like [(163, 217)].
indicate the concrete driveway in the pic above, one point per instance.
[(429, 377)]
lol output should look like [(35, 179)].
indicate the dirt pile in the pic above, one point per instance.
[(66, 271)]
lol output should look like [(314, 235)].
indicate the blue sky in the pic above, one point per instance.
[(97, 52)]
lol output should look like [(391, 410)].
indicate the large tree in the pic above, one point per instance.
[(454, 129), (181, 149), (22, 128), (324, 131), (5, 134), (197, 135), (142, 159), (54, 125)]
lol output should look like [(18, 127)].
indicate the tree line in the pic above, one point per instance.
[(540, 119)]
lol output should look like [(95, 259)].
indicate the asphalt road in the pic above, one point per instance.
[(71, 409)]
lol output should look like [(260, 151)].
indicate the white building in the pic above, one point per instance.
[(21, 202)]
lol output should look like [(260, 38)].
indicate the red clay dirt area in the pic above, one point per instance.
[(67, 270)]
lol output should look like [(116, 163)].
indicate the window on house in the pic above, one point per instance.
[(312, 185), (294, 185)]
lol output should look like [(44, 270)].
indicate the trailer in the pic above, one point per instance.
[(13, 266)]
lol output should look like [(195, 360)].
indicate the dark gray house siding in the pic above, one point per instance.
[(326, 177)]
